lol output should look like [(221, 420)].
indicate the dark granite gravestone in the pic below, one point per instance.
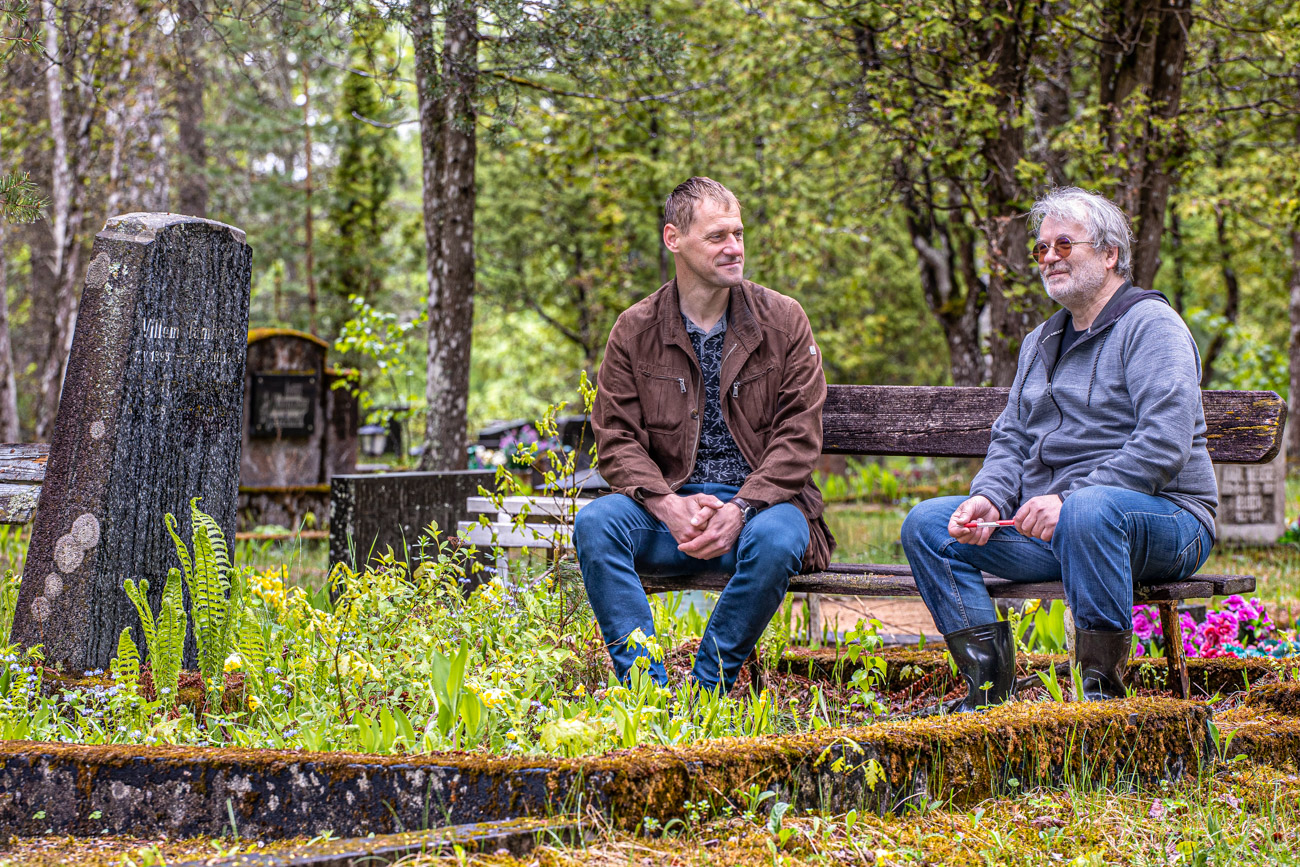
[(372, 513), (149, 418)]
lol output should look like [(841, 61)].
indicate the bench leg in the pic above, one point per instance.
[(814, 603), (1172, 626)]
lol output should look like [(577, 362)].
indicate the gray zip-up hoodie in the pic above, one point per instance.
[(1121, 407)]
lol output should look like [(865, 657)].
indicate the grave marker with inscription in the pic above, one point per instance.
[(299, 430), (149, 418)]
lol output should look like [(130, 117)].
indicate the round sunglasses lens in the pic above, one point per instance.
[(1040, 250), (1063, 247)]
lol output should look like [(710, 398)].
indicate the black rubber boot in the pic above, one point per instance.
[(984, 655), (1102, 658)]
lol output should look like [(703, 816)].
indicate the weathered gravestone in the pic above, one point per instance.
[(149, 418), (299, 430), (1252, 501)]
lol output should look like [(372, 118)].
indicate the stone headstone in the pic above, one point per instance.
[(1252, 501), (299, 431), (371, 513), (285, 427), (149, 418)]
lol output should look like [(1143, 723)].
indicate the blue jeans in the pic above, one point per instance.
[(617, 540), (1106, 539)]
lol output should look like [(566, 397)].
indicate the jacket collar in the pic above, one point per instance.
[(1127, 295), (741, 325)]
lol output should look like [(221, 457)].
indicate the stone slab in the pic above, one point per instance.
[(149, 418)]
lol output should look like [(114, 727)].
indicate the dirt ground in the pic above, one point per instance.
[(902, 618)]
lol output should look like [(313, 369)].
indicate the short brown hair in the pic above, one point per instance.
[(679, 207)]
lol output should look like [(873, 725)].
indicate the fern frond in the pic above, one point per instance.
[(125, 667), (214, 534), (252, 647), (171, 638), (140, 596)]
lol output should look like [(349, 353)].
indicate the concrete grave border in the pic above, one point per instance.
[(277, 794)]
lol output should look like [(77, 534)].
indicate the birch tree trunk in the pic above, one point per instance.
[(65, 223), (9, 430), (451, 294)]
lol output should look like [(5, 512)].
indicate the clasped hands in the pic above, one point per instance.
[(1037, 517), (704, 526)]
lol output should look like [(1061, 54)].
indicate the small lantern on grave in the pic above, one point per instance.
[(373, 439)]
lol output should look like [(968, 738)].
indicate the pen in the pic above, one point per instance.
[(976, 524)]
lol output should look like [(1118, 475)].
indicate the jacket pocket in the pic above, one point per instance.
[(751, 396), (664, 396)]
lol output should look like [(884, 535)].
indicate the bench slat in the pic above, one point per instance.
[(23, 462), (557, 507), (1243, 427), (887, 579)]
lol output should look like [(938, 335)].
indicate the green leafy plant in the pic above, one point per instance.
[(164, 636), (216, 594), (8, 603)]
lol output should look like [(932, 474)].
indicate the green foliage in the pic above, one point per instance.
[(9, 584), (216, 594), (165, 635)]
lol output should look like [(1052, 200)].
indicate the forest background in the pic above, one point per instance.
[(464, 194)]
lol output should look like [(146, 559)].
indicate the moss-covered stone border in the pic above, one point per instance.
[(906, 667), (273, 794)]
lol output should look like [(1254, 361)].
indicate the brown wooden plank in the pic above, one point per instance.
[(865, 579), (945, 421), (17, 502), (23, 462)]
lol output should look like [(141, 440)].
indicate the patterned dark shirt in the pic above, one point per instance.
[(718, 460)]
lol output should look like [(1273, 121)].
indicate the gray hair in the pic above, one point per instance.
[(1104, 221), (679, 207)]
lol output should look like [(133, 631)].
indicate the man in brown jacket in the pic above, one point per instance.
[(708, 423)]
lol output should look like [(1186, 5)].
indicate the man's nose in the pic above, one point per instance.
[(734, 244), (1051, 255)]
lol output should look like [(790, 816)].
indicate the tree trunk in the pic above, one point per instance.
[(1147, 52), (9, 430), (451, 298), (190, 81), (1293, 399), (428, 83), (1016, 299), (65, 224), (1232, 295)]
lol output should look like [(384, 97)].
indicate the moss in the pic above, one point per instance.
[(910, 667), (1284, 698)]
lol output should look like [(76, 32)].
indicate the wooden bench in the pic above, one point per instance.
[(1244, 427), (929, 421)]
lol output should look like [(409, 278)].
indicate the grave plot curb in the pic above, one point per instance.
[(907, 666), (49, 788), (1265, 728), (517, 837)]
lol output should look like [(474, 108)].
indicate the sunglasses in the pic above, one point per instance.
[(1062, 245)]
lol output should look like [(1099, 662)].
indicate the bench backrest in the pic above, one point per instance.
[(1244, 427), (22, 470)]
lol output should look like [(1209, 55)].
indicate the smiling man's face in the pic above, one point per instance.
[(712, 250), (1074, 281)]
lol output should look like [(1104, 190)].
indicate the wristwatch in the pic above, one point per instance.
[(747, 509)]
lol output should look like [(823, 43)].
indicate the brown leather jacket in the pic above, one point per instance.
[(647, 412)]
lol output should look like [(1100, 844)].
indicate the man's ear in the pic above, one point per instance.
[(672, 238), (1112, 258)]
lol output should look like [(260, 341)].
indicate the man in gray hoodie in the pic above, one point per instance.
[(1099, 458)]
